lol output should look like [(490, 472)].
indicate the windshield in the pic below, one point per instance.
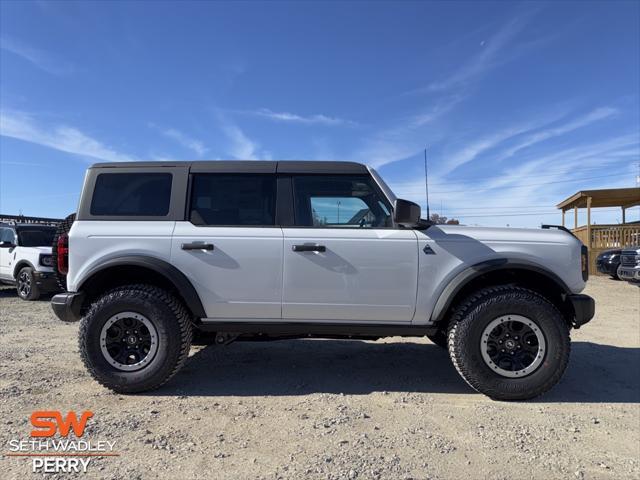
[(36, 236)]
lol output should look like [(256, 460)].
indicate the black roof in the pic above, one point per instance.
[(250, 166)]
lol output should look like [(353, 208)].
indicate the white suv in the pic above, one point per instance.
[(160, 251), (25, 259)]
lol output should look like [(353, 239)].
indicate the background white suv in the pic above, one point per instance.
[(26, 260)]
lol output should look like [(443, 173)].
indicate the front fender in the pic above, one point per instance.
[(467, 275)]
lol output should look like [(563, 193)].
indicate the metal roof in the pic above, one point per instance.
[(608, 197)]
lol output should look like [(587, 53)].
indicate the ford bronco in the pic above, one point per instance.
[(162, 251)]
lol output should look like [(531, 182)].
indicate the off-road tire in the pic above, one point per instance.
[(169, 317), (34, 292), (62, 229), (440, 338), (477, 311)]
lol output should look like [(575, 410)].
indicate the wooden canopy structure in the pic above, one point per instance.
[(601, 237)]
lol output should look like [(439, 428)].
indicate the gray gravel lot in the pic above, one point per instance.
[(392, 409)]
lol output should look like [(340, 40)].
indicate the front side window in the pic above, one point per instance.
[(339, 201), (36, 237), (6, 235), (233, 199), (132, 194)]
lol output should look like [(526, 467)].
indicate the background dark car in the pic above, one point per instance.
[(608, 262)]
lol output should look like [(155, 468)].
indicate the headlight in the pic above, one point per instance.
[(46, 260)]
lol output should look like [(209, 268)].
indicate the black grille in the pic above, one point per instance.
[(628, 260)]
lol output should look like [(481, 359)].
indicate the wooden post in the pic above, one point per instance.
[(623, 215), (563, 210), (589, 223), (575, 217)]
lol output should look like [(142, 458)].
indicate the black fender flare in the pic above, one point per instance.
[(20, 265), (174, 276), (470, 273)]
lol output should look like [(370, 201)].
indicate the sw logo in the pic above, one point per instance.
[(48, 422)]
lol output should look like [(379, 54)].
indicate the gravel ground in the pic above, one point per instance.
[(392, 409)]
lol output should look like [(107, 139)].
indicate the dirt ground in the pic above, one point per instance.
[(390, 409)]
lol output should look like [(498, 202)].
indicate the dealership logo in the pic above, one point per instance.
[(48, 422), (56, 443)]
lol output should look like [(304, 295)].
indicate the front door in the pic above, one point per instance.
[(343, 258), (230, 248), (6, 254)]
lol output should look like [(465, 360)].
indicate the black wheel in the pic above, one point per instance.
[(509, 343), (439, 338), (62, 229), (135, 338), (26, 284)]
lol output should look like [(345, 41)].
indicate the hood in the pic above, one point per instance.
[(502, 234)]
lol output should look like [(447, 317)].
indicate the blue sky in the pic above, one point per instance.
[(521, 104)]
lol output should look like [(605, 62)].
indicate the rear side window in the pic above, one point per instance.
[(233, 200), (36, 237), (132, 194)]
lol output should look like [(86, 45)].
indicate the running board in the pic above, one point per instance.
[(312, 328)]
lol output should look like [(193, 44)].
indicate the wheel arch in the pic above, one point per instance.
[(502, 272), (141, 269), (20, 265)]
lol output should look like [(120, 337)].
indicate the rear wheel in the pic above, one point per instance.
[(509, 343), (26, 284), (135, 338)]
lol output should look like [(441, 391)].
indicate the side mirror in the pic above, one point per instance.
[(6, 244), (406, 213)]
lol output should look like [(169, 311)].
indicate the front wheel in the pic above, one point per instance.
[(135, 338), (509, 343), (26, 284)]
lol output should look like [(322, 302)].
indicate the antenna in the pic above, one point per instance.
[(426, 182)]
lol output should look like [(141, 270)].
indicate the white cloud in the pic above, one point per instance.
[(242, 147), (487, 59), (61, 137), (524, 189), (185, 140), (591, 117), (404, 138), (38, 58), (536, 135), (317, 119)]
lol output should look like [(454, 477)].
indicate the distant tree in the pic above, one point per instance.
[(441, 220)]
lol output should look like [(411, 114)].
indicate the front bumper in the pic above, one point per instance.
[(584, 308), (607, 268), (67, 306), (630, 274), (46, 281)]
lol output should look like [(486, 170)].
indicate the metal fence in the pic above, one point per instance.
[(24, 219)]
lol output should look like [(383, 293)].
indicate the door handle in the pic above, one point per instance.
[(197, 246), (309, 248)]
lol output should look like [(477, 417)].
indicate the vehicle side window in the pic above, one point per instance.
[(233, 199), (6, 235), (339, 201), (132, 194)]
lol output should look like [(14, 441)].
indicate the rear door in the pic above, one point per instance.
[(229, 246), (343, 258)]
